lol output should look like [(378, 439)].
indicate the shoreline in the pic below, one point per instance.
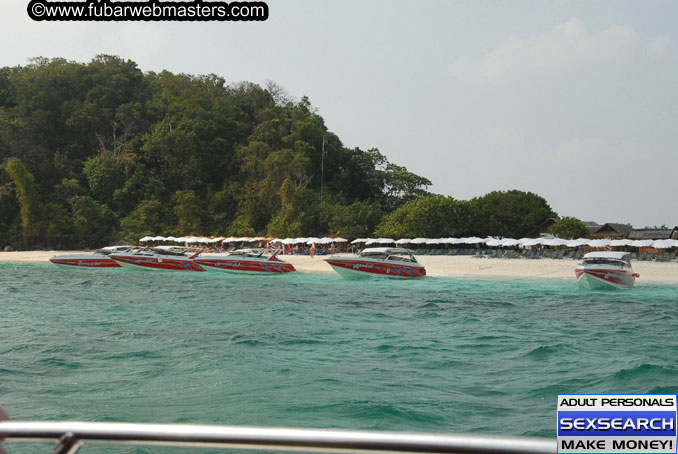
[(436, 266)]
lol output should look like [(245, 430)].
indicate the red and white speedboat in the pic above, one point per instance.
[(379, 262), (99, 260), (250, 261), (605, 270), (161, 258)]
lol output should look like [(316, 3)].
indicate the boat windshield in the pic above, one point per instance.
[(113, 249), (395, 255), (401, 258), (249, 252), (373, 255), (607, 261), (172, 252)]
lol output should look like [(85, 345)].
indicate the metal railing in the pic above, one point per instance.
[(70, 436)]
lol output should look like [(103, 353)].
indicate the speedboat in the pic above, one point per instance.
[(100, 259), (396, 263), (606, 270), (160, 258), (251, 261)]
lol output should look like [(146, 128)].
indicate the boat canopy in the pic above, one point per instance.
[(169, 250), (386, 250), (249, 252), (607, 255), (111, 249)]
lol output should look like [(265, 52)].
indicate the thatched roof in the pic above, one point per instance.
[(653, 234), (621, 229), (592, 226)]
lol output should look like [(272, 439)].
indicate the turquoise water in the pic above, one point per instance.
[(439, 355)]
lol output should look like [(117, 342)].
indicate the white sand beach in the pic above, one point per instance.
[(456, 266)]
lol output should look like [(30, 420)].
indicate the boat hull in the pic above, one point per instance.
[(135, 262), (245, 266), (355, 268), (602, 279), (91, 262)]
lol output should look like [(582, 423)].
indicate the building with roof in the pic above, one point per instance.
[(592, 226), (611, 230), (654, 234)]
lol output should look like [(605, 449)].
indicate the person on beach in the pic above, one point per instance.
[(312, 250)]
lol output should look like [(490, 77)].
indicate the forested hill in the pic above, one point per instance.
[(97, 152)]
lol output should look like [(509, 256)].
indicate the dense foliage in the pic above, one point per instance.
[(508, 214), (569, 227), (97, 152)]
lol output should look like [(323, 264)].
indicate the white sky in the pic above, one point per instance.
[(576, 100)]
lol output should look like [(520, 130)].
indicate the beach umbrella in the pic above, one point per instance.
[(359, 240), (665, 244), (617, 243), (599, 243), (509, 242), (158, 238), (555, 242), (533, 242), (146, 238), (473, 240), (419, 241), (379, 241), (578, 242), (404, 241), (434, 241), (340, 240), (641, 243)]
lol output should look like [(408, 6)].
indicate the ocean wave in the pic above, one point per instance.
[(646, 371), (544, 352)]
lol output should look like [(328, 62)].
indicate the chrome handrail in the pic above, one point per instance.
[(282, 439)]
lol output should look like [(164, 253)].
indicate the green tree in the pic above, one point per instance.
[(222, 207), (148, 218), (104, 175), (432, 216), (93, 222), (401, 186), (24, 182), (57, 229), (189, 212), (359, 219), (509, 214), (569, 227)]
